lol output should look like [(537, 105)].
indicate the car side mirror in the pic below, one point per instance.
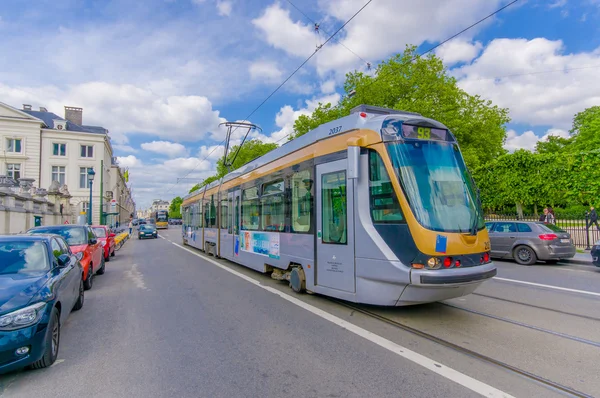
[(63, 260), (111, 235), (93, 241), (79, 256)]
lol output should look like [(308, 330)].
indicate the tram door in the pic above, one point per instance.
[(226, 243), (335, 227), (235, 222)]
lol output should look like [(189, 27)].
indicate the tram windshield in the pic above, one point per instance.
[(437, 184)]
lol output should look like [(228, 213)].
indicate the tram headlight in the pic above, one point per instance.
[(434, 263)]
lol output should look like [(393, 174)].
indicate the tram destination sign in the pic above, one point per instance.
[(424, 133)]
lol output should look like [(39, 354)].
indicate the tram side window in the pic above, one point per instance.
[(236, 224), (224, 214), (334, 208), (212, 212), (206, 214), (250, 209), (385, 208), (302, 201), (272, 203)]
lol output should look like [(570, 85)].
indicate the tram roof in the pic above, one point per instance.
[(361, 117)]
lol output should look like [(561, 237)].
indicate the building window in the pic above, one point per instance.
[(59, 149), (250, 209), (13, 170), (302, 201), (272, 207), (83, 177), (87, 151), (85, 206), (13, 145), (58, 174)]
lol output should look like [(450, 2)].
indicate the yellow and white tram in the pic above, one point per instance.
[(377, 207)]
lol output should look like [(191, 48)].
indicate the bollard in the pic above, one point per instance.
[(587, 232)]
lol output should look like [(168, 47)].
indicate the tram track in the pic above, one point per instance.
[(525, 325), (540, 307), (482, 357)]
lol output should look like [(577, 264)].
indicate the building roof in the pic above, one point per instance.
[(49, 117)]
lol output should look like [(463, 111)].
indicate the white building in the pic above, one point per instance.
[(19, 143), (158, 204), (43, 146)]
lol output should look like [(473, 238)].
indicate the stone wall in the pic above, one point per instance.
[(21, 203)]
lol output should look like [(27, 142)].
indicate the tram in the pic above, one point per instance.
[(377, 207)]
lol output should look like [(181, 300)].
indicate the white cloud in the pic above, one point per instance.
[(287, 115), (125, 108), (128, 161), (265, 71), (528, 139), (512, 73), (459, 51), (558, 3), (370, 34), (224, 7), (328, 86), (171, 149)]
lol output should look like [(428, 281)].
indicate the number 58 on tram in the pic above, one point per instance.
[(377, 207)]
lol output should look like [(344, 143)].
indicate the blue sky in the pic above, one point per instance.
[(162, 74)]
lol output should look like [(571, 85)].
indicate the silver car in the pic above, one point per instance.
[(527, 242)]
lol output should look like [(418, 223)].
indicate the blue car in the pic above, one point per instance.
[(40, 283)]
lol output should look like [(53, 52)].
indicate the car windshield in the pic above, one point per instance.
[(74, 236), (99, 232), (147, 228), (437, 185), (17, 257)]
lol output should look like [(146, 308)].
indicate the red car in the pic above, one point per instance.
[(80, 238), (106, 239)]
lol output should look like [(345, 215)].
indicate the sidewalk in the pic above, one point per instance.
[(580, 258)]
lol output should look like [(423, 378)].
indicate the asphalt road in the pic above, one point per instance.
[(164, 322)]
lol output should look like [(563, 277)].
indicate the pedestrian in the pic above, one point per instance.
[(593, 218), (548, 216), (130, 226)]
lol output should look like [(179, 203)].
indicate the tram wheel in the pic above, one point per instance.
[(297, 280)]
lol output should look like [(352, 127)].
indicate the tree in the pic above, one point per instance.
[(175, 207), (586, 130), (422, 85), (555, 144), (250, 150)]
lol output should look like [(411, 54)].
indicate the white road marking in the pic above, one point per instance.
[(434, 366), (57, 362), (564, 289)]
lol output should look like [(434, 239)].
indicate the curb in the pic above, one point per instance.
[(580, 262)]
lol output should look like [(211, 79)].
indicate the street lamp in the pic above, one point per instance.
[(91, 174)]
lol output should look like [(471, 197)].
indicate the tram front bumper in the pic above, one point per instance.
[(453, 276)]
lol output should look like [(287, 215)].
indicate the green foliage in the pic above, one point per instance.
[(586, 130), (554, 144), (175, 207), (250, 150), (423, 86)]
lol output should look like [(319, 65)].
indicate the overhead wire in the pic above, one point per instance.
[(295, 71)]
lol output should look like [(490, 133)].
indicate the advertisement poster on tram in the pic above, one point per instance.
[(263, 243)]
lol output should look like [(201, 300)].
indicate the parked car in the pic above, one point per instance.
[(596, 254), (147, 231), (527, 242), (107, 240), (41, 283), (80, 239)]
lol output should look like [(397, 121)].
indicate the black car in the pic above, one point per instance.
[(596, 254), (41, 283), (147, 231)]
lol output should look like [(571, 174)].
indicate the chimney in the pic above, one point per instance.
[(74, 115), (42, 109), (26, 107)]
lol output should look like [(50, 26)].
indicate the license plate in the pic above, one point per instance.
[(565, 240)]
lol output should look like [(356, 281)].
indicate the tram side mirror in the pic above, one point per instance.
[(353, 157)]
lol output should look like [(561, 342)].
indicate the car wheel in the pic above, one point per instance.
[(524, 255), (52, 342), (89, 282), (81, 298), (102, 267)]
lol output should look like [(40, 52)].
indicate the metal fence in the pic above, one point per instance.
[(584, 235)]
